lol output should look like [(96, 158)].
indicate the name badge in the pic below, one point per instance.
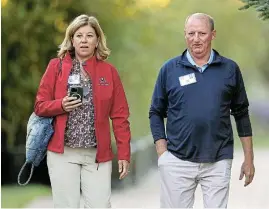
[(187, 79), (74, 79)]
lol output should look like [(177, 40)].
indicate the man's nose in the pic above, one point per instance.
[(196, 37)]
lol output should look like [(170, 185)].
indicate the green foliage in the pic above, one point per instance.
[(157, 35), (141, 40), (261, 6), (30, 39)]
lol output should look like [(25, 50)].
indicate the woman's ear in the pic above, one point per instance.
[(97, 43), (72, 40)]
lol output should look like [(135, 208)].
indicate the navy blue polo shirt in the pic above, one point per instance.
[(198, 106)]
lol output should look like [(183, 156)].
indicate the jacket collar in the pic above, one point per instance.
[(89, 62), (184, 61), (90, 65)]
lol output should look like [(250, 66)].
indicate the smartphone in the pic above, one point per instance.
[(76, 92)]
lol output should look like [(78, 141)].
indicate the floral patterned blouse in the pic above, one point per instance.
[(80, 131)]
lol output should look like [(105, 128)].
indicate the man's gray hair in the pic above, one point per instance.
[(202, 16)]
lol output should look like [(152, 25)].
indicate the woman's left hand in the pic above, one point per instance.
[(123, 168)]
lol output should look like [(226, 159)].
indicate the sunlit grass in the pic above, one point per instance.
[(19, 197)]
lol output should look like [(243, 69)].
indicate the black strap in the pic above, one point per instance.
[(60, 66), (58, 73)]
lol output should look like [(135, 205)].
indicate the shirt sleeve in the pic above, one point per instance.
[(239, 106), (158, 108)]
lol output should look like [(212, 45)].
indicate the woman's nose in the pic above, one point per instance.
[(84, 39)]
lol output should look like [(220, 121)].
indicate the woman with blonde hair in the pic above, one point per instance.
[(82, 91)]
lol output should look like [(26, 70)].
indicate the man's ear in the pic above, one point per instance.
[(214, 33), (185, 33)]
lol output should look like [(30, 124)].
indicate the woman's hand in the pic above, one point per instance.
[(123, 168), (70, 103)]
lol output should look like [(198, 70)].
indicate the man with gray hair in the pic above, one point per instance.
[(197, 92)]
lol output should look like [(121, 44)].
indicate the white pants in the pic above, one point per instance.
[(179, 180), (75, 171)]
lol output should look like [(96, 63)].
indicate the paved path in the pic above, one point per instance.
[(146, 193)]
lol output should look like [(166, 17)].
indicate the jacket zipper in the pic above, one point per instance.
[(95, 110)]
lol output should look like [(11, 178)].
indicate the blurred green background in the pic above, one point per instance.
[(142, 35)]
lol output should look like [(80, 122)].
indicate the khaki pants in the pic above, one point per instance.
[(179, 180), (75, 172)]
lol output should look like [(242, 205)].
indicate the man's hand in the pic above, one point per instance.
[(247, 170), (247, 167), (123, 168), (161, 146)]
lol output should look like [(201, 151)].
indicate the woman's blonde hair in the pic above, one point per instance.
[(101, 52)]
